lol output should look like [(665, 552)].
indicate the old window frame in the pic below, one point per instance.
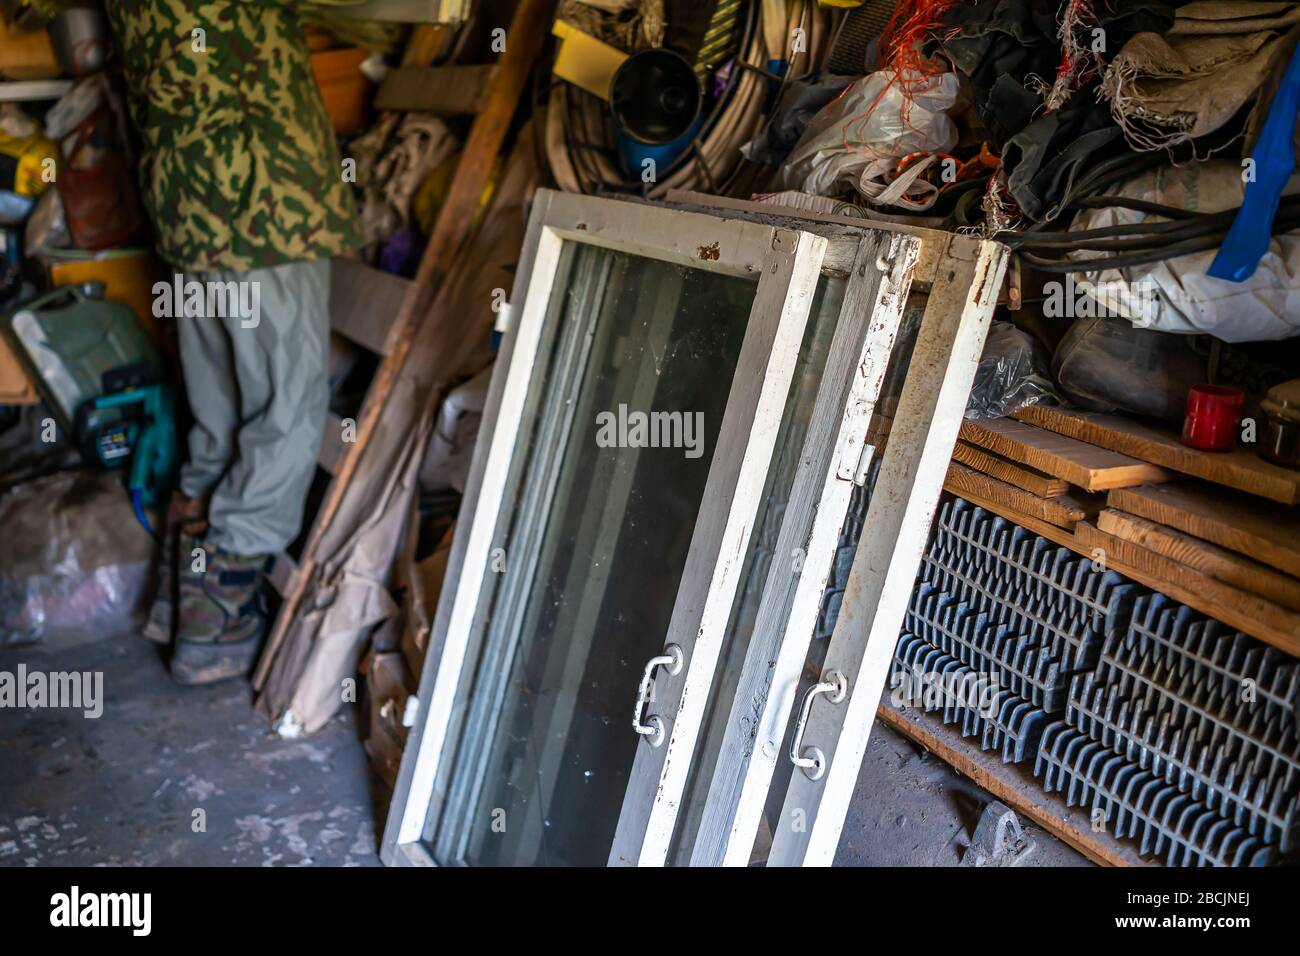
[(787, 264), (962, 276)]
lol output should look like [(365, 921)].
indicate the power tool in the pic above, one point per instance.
[(132, 421)]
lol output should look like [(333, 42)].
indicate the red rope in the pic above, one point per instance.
[(913, 22), (911, 25)]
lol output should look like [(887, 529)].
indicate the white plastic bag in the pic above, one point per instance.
[(1176, 295), (856, 141)]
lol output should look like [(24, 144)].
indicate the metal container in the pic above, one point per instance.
[(1281, 442), (82, 40)]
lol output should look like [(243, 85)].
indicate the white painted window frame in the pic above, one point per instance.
[(879, 269), (787, 263), (964, 276), (949, 342)]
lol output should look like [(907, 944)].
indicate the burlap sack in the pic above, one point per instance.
[(1165, 90)]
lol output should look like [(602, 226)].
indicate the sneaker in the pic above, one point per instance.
[(221, 617), (184, 515)]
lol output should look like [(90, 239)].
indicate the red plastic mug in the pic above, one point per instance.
[(1213, 414)]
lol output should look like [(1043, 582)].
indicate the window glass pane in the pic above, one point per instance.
[(600, 516)]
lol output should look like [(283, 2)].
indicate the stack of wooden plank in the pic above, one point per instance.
[(1219, 532), (1006, 464)]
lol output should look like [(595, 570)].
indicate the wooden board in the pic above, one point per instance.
[(926, 267), (1210, 559), (405, 11), (1243, 470), (1266, 532), (1004, 469), (1063, 511), (1013, 785), (1236, 608), (1082, 464), (445, 90), (364, 302)]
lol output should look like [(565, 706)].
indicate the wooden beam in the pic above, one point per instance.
[(1222, 565), (1239, 522), (445, 90), (1013, 785), (364, 302), (1082, 464), (426, 44), (405, 11), (19, 91), (1064, 511), (1013, 473), (528, 30), (1240, 469)]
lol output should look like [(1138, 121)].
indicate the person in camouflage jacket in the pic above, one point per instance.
[(243, 182)]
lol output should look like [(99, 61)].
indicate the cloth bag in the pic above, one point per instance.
[(1165, 90), (1177, 295)]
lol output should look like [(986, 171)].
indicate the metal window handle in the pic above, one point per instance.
[(813, 761), (653, 728)]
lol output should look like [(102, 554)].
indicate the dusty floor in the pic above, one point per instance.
[(133, 786), (191, 776), (912, 809)]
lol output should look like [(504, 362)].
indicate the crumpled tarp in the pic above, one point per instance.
[(352, 596), (1012, 373), (856, 141), (351, 591), (394, 156), (800, 101)]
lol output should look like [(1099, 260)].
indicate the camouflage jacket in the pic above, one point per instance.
[(240, 168)]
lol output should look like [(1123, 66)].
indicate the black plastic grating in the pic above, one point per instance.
[(1179, 732), (1206, 709), (936, 681), (1133, 802)]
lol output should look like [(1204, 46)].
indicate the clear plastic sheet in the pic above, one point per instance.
[(1012, 373), (74, 558)]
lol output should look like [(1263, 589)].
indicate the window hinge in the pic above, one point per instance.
[(502, 324), (411, 711), (855, 451)]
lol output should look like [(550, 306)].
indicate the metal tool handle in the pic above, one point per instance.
[(813, 761), (653, 728)]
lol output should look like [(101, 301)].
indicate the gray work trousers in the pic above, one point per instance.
[(258, 387)]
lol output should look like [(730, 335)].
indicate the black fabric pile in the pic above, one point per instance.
[(1000, 45)]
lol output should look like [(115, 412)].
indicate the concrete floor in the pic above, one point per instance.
[(911, 809), (124, 789)]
